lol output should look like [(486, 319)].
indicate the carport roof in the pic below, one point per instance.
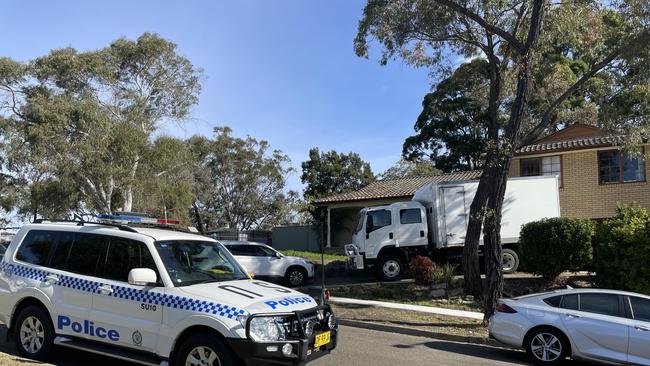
[(396, 188)]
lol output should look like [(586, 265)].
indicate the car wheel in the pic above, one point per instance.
[(547, 346), (204, 349), (510, 261), (295, 276), (389, 268), (34, 333)]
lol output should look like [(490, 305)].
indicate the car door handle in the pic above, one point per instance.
[(573, 316), (52, 279), (105, 289), (642, 328)]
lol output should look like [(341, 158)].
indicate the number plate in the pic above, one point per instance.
[(322, 339)]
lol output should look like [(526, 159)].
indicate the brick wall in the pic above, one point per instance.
[(582, 196)]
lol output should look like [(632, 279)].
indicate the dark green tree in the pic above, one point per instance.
[(331, 172), (452, 127), (410, 169), (239, 182)]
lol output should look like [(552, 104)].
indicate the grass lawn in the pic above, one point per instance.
[(444, 325), (314, 256)]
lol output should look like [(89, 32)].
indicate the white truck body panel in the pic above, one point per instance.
[(527, 199)]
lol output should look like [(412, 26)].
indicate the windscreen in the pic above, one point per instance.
[(191, 262)]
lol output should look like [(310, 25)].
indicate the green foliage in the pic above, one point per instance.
[(422, 270), (86, 119), (622, 251), (331, 172), (451, 129), (444, 274), (552, 246), (239, 182), (410, 169)]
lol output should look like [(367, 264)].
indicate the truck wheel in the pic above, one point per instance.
[(510, 261), (34, 333), (204, 349), (389, 268)]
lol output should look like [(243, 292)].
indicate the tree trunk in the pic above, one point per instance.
[(197, 216), (471, 264), (492, 225)]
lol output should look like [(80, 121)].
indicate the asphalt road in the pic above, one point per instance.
[(356, 347)]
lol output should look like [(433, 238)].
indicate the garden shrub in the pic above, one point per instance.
[(444, 274), (421, 268), (622, 251), (552, 246)]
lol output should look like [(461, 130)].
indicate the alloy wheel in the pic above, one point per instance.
[(32, 334), (295, 278), (546, 347), (202, 356)]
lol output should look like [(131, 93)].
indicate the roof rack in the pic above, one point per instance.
[(82, 223)]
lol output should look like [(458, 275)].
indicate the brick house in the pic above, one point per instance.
[(594, 177), (594, 174)]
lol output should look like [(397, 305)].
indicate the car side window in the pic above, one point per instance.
[(79, 253), (606, 304), (378, 219), (554, 301), (410, 216), (640, 308), (267, 252), (124, 255), (234, 249), (569, 302), (36, 246)]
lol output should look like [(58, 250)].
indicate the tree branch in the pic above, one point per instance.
[(483, 23), (547, 116)]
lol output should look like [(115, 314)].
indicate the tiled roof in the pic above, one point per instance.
[(395, 188), (574, 144)]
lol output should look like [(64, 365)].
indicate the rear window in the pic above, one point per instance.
[(410, 216), (606, 304), (554, 301), (79, 253)]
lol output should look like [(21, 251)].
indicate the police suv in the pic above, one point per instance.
[(151, 296)]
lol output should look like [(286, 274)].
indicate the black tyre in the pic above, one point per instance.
[(510, 261), (547, 346), (389, 268), (295, 276), (33, 333), (204, 349)]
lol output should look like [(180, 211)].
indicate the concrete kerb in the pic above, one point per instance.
[(409, 307)]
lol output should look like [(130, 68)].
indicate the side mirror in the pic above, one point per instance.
[(278, 255), (142, 277)]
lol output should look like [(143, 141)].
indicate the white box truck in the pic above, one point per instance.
[(434, 224)]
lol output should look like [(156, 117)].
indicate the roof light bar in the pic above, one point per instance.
[(125, 218)]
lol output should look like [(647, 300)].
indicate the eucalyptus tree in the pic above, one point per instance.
[(90, 116), (586, 48)]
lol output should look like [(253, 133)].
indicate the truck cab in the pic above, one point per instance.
[(381, 230)]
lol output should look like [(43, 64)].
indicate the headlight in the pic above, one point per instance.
[(267, 329)]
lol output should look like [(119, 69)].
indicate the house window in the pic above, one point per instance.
[(615, 166), (548, 165)]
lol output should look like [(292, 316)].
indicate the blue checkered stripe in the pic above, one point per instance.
[(176, 302), (127, 293)]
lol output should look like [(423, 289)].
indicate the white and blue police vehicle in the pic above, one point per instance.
[(151, 296)]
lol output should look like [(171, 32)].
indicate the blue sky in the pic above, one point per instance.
[(284, 71)]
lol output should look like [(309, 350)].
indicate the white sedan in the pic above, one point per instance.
[(267, 263), (588, 324)]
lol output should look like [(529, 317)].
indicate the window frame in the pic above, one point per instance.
[(621, 167), (540, 162), (410, 209), (630, 308), (374, 227)]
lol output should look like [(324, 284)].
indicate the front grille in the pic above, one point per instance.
[(297, 325)]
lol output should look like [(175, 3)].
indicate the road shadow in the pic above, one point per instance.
[(489, 352)]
